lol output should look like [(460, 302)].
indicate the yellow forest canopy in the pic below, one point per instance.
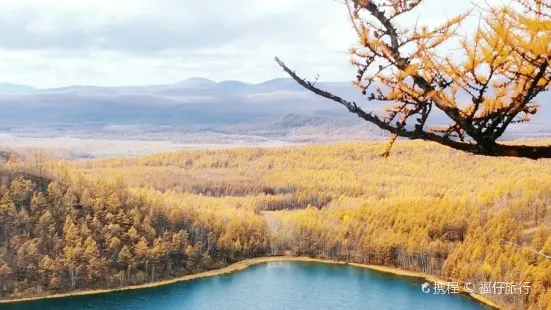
[(109, 223), (503, 67), (428, 209)]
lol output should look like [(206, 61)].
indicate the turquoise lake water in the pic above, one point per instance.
[(276, 285)]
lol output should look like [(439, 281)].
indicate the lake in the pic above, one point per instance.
[(274, 285)]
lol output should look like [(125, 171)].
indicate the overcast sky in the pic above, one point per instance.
[(49, 43)]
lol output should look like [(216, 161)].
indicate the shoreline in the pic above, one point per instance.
[(241, 265)]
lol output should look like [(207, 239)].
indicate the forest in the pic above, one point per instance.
[(76, 225)]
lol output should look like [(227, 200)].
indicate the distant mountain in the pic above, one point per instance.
[(196, 83), (15, 89), (197, 104)]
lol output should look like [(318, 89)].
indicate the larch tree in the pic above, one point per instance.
[(482, 82)]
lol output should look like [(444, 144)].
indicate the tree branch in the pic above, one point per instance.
[(524, 151), (402, 64)]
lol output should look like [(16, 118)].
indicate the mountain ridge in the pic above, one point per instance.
[(7, 88), (277, 107)]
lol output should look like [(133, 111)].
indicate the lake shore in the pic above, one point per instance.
[(243, 265)]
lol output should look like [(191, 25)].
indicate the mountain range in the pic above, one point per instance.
[(275, 109), (192, 86)]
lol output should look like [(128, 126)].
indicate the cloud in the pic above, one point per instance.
[(122, 42)]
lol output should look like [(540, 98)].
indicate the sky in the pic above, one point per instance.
[(53, 43)]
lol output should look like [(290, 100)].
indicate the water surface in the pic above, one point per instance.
[(274, 285)]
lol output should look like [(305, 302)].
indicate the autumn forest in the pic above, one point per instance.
[(69, 226)]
